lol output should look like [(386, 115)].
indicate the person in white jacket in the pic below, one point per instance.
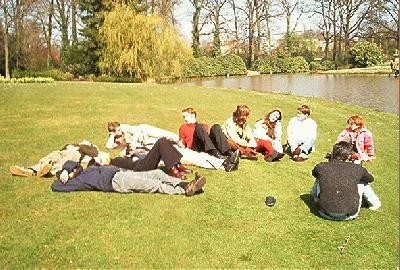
[(302, 134), (268, 133)]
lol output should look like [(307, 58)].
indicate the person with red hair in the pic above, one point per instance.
[(360, 138)]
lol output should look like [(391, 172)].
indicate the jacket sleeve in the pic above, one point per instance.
[(71, 185), (229, 128), (341, 136), (369, 145), (251, 140), (110, 144), (260, 132), (315, 172), (367, 177)]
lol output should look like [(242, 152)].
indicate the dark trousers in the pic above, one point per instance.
[(216, 140), (162, 150)]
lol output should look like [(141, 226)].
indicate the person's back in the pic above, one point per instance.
[(338, 186)]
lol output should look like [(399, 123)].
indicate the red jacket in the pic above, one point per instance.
[(186, 133)]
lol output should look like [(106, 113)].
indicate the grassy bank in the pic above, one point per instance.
[(370, 70), (228, 226)]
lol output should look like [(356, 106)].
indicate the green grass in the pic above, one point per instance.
[(228, 226)]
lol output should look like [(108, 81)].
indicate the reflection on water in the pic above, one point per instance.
[(379, 92)]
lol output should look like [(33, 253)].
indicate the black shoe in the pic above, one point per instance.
[(217, 154), (232, 163), (272, 157)]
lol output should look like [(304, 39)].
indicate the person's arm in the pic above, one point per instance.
[(366, 177), (249, 134), (341, 136), (278, 131), (315, 172), (231, 133), (182, 138), (260, 132), (71, 185), (291, 132), (110, 144), (369, 145)]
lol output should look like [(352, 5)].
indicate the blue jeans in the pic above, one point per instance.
[(365, 192), (306, 146)]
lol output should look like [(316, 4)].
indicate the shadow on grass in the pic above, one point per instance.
[(309, 201)]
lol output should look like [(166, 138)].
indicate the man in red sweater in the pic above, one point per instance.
[(198, 137)]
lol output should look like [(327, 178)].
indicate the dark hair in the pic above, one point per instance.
[(190, 110), (112, 126), (342, 150), (304, 109), (271, 125)]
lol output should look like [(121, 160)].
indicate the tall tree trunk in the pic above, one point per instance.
[(50, 32), (236, 26), (250, 58), (216, 51), (258, 26), (6, 64), (195, 28), (73, 21), (18, 29)]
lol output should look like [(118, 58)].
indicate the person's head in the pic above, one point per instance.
[(189, 114), (355, 122), (273, 116), (342, 151), (303, 112), (112, 126), (241, 115)]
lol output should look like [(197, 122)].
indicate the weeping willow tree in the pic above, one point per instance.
[(140, 46)]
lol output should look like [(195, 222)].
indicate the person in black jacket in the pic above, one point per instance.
[(340, 186)]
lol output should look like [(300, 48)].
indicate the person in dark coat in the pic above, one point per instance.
[(341, 186), (112, 179)]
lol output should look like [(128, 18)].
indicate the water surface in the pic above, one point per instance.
[(379, 92)]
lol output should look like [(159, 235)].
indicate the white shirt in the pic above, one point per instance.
[(261, 131), (299, 131)]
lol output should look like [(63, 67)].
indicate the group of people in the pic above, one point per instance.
[(340, 187)]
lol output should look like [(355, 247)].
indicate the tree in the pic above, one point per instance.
[(196, 28), (5, 10), (140, 46), (366, 54)]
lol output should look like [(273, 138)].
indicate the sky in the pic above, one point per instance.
[(185, 10)]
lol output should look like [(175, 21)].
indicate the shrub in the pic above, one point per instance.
[(52, 73), (219, 66), (322, 66), (268, 64), (76, 61), (366, 54), (26, 80), (295, 65)]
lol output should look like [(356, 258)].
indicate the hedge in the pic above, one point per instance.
[(219, 66)]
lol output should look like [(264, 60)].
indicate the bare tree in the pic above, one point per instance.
[(214, 9), (5, 7), (43, 12), (62, 17), (196, 27), (325, 10)]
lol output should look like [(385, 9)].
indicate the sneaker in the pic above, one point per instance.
[(232, 162), (19, 171), (195, 185), (44, 170)]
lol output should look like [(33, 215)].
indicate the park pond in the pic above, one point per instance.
[(379, 92)]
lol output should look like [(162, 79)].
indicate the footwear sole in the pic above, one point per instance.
[(14, 170), (196, 186), (45, 170)]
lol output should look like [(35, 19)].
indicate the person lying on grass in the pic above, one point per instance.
[(112, 179), (240, 135), (360, 138), (268, 133), (53, 162), (302, 134), (142, 138), (198, 137), (341, 186)]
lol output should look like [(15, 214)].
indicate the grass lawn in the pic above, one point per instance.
[(228, 226)]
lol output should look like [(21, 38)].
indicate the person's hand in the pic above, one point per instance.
[(181, 144)]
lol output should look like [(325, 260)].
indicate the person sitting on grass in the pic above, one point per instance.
[(302, 134), (53, 162), (268, 133), (196, 136), (360, 138), (240, 135), (142, 138), (112, 179), (341, 186)]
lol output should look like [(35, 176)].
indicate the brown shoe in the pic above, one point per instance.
[(19, 171), (249, 156), (183, 169), (195, 185), (174, 172), (299, 159), (44, 170), (296, 152)]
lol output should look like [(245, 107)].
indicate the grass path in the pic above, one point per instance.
[(228, 226)]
